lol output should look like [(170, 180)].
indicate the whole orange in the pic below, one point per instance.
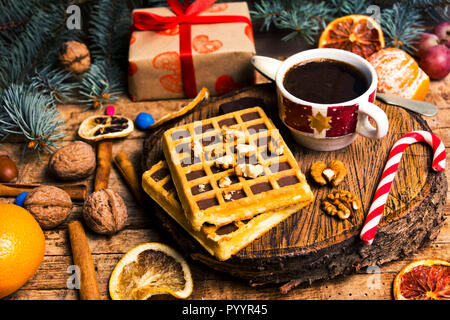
[(22, 247)]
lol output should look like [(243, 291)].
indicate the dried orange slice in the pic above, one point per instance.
[(150, 269), (398, 73), (357, 33), (427, 279), (98, 128)]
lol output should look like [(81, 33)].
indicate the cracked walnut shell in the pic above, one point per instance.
[(75, 56), (104, 211), (341, 203), (72, 162), (49, 205), (335, 172)]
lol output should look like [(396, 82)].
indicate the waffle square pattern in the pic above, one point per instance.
[(233, 167), (221, 242)]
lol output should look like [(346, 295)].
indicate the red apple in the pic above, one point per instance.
[(426, 41), (436, 62), (442, 30)]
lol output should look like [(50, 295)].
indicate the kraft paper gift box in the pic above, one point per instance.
[(221, 54)]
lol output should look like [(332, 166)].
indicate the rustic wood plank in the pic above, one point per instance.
[(50, 280)]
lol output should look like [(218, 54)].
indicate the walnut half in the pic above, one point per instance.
[(335, 172), (341, 203)]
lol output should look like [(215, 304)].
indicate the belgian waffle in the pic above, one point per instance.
[(192, 151), (221, 242)]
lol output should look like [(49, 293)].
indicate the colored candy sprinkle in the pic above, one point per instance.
[(144, 120)]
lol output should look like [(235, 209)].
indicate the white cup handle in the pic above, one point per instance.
[(267, 66), (366, 110)]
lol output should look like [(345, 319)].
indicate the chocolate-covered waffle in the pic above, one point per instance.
[(223, 241), (243, 147)]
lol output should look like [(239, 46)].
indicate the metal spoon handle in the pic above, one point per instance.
[(422, 107)]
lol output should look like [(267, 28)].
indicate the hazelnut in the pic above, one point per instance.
[(75, 57), (49, 205), (8, 169), (73, 161), (104, 211)]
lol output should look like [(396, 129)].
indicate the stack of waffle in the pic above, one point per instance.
[(227, 180)]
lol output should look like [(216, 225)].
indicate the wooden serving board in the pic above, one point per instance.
[(312, 245)]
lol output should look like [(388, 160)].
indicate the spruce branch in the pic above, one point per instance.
[(54, 82), (27, 112), (100, 85), (109, 29), (20, 54), (306, 20), (269, 11), (439, 14), (14, 13), (400, 26), (133, 4), (347, 7)]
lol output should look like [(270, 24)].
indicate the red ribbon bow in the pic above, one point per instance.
[(185, 16)]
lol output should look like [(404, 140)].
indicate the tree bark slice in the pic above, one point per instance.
[(311, 245)]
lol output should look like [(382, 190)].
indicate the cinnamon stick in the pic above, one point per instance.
[(127, 171), (83, 259), (77, 192), (104, 157)]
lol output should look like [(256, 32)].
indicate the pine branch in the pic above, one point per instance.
[(100, 85), (31, 114), (306, 19), (346, 7), (54, 82), (20, 54), (109, 29), (400, 26), (269, 11), (15, 13), (133, 4), (439, 14)]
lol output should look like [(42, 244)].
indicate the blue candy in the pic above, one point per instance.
[(144, 120), (20, 200)]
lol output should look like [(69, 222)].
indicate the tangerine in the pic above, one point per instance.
[(22, 247), (398, 73)]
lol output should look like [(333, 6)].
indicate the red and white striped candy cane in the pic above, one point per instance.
[(376, 209)]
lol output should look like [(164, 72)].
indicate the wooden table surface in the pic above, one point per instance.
[(50, 281)]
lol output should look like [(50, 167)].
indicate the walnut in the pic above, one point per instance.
[(341, 203), (197, 148), (49, 205), (104, 211), (75, 56), (224, 182), (316, 172), (339, 170), (73, 161), (335, 172), (245, 150), (232, 135), (275, 147), (224, 162), (249, 170)]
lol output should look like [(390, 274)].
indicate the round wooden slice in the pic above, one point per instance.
[(312, 245)]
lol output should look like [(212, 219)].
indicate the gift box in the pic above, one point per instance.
[(176, 51)]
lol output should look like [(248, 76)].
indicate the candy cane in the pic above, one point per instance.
[(376, 209)]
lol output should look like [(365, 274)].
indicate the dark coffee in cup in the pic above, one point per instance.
[(325, 81)]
